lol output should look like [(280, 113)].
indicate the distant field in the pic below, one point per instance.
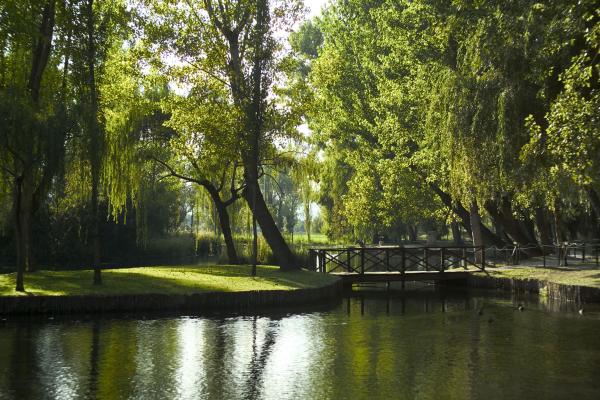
[(315, 238)]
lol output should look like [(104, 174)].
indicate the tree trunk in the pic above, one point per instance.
[(595, 202), (249, 94), (24, 183), (456, 235), (541, 220), (465, 219), (255, 237), (412, 233), (95, 230), (512, 227), (18, 221), (223, 215), (528, 228), (476, 230), (95, 142), (272, 235), (307, 220)]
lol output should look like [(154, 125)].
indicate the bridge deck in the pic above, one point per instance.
[(392, 276)]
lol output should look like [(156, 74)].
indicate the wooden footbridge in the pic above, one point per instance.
[(398, 263)]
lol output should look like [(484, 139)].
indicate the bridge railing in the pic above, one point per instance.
[(561, 254), (360, 260)]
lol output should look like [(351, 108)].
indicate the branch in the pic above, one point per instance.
[(274, 180), (222, 180), (174, 173), (10, 172), (211, 14), (235, 194), (210, 74)]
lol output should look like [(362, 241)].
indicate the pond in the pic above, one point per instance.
[(422, 344)]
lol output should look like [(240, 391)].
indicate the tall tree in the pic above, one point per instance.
[(233, 44), (32, 136)]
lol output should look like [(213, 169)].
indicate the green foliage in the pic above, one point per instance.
[(419, 93), (572, 135)]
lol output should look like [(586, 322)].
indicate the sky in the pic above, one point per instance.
[(314, 7)]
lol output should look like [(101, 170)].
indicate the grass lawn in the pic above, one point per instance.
[(163, 280), (567, 276), (302, 238)]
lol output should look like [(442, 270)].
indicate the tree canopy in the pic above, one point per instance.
[(393, 117)]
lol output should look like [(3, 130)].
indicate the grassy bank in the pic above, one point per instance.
[(565, 276), (163, 280)]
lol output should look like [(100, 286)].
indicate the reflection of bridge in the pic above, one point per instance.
[(397, 263)]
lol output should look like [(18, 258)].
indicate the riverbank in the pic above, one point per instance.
[(199, 288), (581, 285)]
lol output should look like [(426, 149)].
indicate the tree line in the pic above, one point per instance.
[(480, 117), (103, 101)]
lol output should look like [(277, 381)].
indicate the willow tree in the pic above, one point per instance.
[(33, 131), (363, 115), (441, 91), (500, 68), (566, 140), (98, 29), (234, 44)]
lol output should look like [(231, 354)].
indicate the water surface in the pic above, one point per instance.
[(418, 345)]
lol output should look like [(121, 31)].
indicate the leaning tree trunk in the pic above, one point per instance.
[(254, 124), (512, 227), (249, 93), (269, 229), (223, 215), (465, 219)]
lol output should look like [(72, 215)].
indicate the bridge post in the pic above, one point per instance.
[(348, 261), (403, 264), (321, 261), (387, 260), (362, 260), (426, 259), (441, 259), (482, 258), (403, 267)]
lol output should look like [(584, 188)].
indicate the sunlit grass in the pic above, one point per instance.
[(588, 277), (302, 238), (163, 280)]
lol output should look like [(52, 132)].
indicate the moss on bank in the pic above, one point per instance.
[(163, 280), (564, 276)]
